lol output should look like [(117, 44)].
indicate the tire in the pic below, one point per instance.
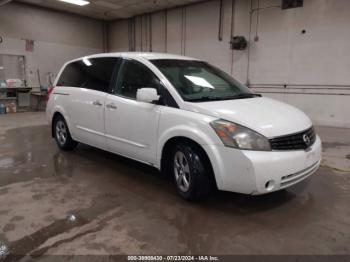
[(191, 171), (62, 134)]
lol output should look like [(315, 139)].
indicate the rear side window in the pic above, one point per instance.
[(94, 73)]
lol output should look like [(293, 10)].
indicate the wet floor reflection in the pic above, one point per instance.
[(4, 251), (62, 165), (89, 200)]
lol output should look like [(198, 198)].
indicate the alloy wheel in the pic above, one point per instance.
[(61, 132), (182, 171)]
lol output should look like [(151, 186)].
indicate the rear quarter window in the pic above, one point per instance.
[(94, 73), (72, 75)]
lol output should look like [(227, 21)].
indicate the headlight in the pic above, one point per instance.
[(237, 136)]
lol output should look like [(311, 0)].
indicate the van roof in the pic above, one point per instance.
[(145, 55)]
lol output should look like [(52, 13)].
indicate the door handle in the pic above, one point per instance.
[(111, 106), (97, 103)]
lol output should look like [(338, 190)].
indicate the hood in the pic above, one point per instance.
[(267, 116)]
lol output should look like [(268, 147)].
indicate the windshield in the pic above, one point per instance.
[(197, 81)]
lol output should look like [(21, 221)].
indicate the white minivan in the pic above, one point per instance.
[(185, 117)]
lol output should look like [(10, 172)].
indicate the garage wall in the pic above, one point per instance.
[(192, 30), (310, 71), (58, 37)]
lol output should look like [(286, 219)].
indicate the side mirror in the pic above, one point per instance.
[(148, 95)]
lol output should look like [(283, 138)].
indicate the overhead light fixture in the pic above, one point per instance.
[(106, 4), (76, 2)]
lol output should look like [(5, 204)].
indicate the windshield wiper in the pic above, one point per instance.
[(240, 96), (204, 98), (218, 98)]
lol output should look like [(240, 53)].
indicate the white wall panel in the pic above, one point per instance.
[(23, 21), (118, 36), (321, 56), (202, 27), (269, 56), (241, 28), (282, 55), (174, 28), (159, 32), (58, 37), (324, 110)]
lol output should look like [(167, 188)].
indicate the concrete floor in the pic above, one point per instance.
[(93, 202)]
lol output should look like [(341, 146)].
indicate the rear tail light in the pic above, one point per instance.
[(49, 92)]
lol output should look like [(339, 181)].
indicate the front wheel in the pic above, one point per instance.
[(192, 175), (62, 135)]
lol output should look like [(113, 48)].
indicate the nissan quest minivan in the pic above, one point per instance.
[(185, 117)]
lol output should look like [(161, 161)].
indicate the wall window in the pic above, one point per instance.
[(95, 74)]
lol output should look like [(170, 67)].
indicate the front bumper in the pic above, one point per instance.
[(257, 172)]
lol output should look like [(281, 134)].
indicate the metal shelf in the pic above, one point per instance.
[(14, 88), (8, 98)]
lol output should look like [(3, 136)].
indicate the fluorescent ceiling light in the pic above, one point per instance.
[(107, 4), (76, 2)]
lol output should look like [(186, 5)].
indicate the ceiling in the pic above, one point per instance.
[(111, 9)]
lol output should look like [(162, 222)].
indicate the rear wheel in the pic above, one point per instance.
[(191, 172), (62, 134)]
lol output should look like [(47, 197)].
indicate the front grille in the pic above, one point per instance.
[(301, 140)]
